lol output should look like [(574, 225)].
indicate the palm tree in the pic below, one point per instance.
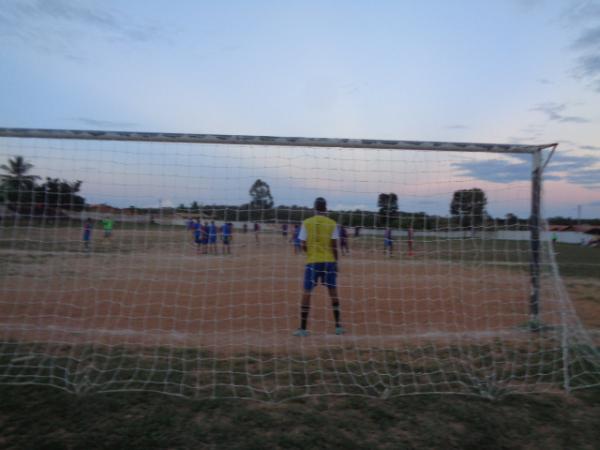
[(17, 186), (16, 173)]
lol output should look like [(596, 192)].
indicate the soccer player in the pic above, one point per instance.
[(226, 233), (284, 231), (197, 227), (87, 234), (388, 242), (319, 236), (107, 224), (296, 238), (212, 238), (204, 234), (344, 240), (410, 241), (257, 232)]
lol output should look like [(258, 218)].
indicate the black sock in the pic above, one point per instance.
[(336, 314), (304, 316)]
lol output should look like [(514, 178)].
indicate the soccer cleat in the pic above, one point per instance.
[(300, 333), (339, 330)]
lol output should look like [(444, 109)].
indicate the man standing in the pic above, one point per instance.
[(212, 238), (344, 240), (318, 236), (107, 224), (388, 242), (226, 233)]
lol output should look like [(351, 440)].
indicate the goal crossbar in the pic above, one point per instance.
[(387, 144)]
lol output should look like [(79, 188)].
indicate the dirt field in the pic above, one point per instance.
[(152, 287)]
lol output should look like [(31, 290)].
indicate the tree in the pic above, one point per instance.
[(511, 220), (468, 205), (194, 207), (59, 194), (16, 171), (17, 185), (260, 192), (388, 208)]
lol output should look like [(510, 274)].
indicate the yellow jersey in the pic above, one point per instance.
[(318, 231)]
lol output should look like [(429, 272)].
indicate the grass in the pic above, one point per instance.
[(578, 261), (46, 418)]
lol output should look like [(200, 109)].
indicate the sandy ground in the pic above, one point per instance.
[(154, 288)]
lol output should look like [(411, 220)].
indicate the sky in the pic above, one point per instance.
[(509, 71)]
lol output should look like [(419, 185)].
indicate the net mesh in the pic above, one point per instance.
[(122, 283)]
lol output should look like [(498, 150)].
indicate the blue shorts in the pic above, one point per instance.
[(212, 239), (388, 243), (226, 240), (87, 235), (326, 272)]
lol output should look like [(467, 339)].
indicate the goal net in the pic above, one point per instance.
[(175, 263)]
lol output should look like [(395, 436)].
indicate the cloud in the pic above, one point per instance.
[(496, 171), (589, 178), (457, 127), (61, 25), (581, 12), (544, 81), (553, 112), (588, 66), (104, 123), (589, 147), (579, 16), (563, 162), (573, 168), (590, 38)]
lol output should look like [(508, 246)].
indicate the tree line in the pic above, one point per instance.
[(21, 192)]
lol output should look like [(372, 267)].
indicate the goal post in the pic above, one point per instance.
[(172, 262), (534, 150)]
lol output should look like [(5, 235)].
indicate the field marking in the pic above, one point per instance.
[(328, 336)]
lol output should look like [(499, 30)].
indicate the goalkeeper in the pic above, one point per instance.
[(318, 237)]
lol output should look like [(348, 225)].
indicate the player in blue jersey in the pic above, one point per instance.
[(284, 231), (212, 238), (297, 242), (204, 237), (226, 231), (388, 242), (87, 234), (197, 232)]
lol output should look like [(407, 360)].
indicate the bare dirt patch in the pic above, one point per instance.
[(153, 288)]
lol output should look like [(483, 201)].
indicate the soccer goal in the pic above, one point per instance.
[(177, 263)]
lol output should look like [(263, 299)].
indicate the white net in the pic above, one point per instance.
[(123, 282)]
